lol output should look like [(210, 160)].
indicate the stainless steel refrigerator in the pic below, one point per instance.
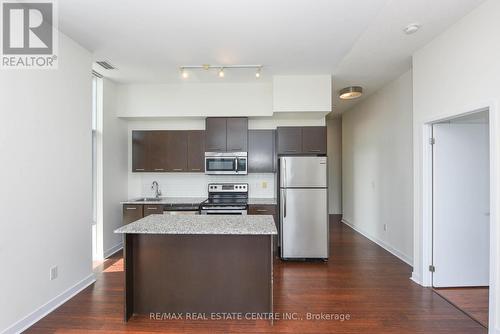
[(303, 207)]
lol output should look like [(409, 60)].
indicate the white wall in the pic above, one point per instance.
[(195, 184), (195, 99), (377, 167), (457, 72), (46, 178), (114, 168), (334, 135)]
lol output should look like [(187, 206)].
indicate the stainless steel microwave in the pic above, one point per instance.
[(226, 163)]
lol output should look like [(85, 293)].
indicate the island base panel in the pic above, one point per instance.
[(198, 273)]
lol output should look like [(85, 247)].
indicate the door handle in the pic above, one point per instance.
[(284, 172), (131, 208), (284, 203)]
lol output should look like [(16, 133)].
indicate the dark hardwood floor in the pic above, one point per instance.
[(360, 280), (473, 301)]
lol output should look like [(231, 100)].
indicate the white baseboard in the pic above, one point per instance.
[(416, 278), (50, 306), (382, 244), (113, 250)]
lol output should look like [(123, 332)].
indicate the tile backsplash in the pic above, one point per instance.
[(195, 184)]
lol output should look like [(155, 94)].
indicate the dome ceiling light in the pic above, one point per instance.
[(350, 93)]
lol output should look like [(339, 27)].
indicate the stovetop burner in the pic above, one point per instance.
[(224, 196)]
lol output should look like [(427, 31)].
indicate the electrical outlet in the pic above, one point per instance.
[(264, 185), (385, 227), (53, 273)]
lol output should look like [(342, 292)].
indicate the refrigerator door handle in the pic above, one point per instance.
[(284, 203), (284, 172)]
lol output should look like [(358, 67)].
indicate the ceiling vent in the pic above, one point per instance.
[(105, 65), (97, 74)]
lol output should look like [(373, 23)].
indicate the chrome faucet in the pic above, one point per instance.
[(156, 187)]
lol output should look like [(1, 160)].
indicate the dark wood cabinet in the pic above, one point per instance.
[(177, 157), (196, 151), (237, 134), (314, 139), (215, 134), (267, 209), (158, 151), (131, 213), (261, 151), (150, 209), (140, 149), (226, 134), (168, 151), (289, 140), (302, 140)]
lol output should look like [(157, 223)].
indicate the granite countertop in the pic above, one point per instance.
[(196, 200), (202, 224), (168, 200), (262, 201)]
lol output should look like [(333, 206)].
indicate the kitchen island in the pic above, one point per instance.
[(198, 264)]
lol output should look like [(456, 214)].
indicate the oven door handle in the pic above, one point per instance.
[(242, 212)]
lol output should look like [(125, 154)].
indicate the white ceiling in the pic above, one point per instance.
[(361, 41)]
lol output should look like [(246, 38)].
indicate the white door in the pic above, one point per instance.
[(461, 205)]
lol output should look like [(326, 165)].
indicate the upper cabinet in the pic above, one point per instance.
[(226, 134), (289, 140), (301, 140), (177, 151), (140, 151), (158, 151), (196, 150), (302, 93), (168, 151), (215, 131), (314, 139), (261, 151)]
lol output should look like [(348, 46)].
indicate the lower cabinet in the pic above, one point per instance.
[(267, 209), (132, 212), (151, 209)]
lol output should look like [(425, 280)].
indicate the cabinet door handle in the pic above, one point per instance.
[(152, 208), (139, 169), (130, 208), (261, 210), (178, 169), (196, 169), (159, 169), (290, 150), (314, 150)]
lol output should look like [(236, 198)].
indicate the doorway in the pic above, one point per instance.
[(461, 212)]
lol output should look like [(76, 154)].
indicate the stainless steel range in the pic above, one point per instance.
[(226, 199)]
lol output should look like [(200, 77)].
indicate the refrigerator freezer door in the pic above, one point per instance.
[(304, 223), (306, 172)]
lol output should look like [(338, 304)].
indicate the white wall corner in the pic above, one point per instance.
[(400, 255), (50, 306), (112, 250)]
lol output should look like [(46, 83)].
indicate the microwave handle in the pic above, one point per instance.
[(236, 165)]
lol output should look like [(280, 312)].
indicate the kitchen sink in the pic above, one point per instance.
[(148, 199)]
